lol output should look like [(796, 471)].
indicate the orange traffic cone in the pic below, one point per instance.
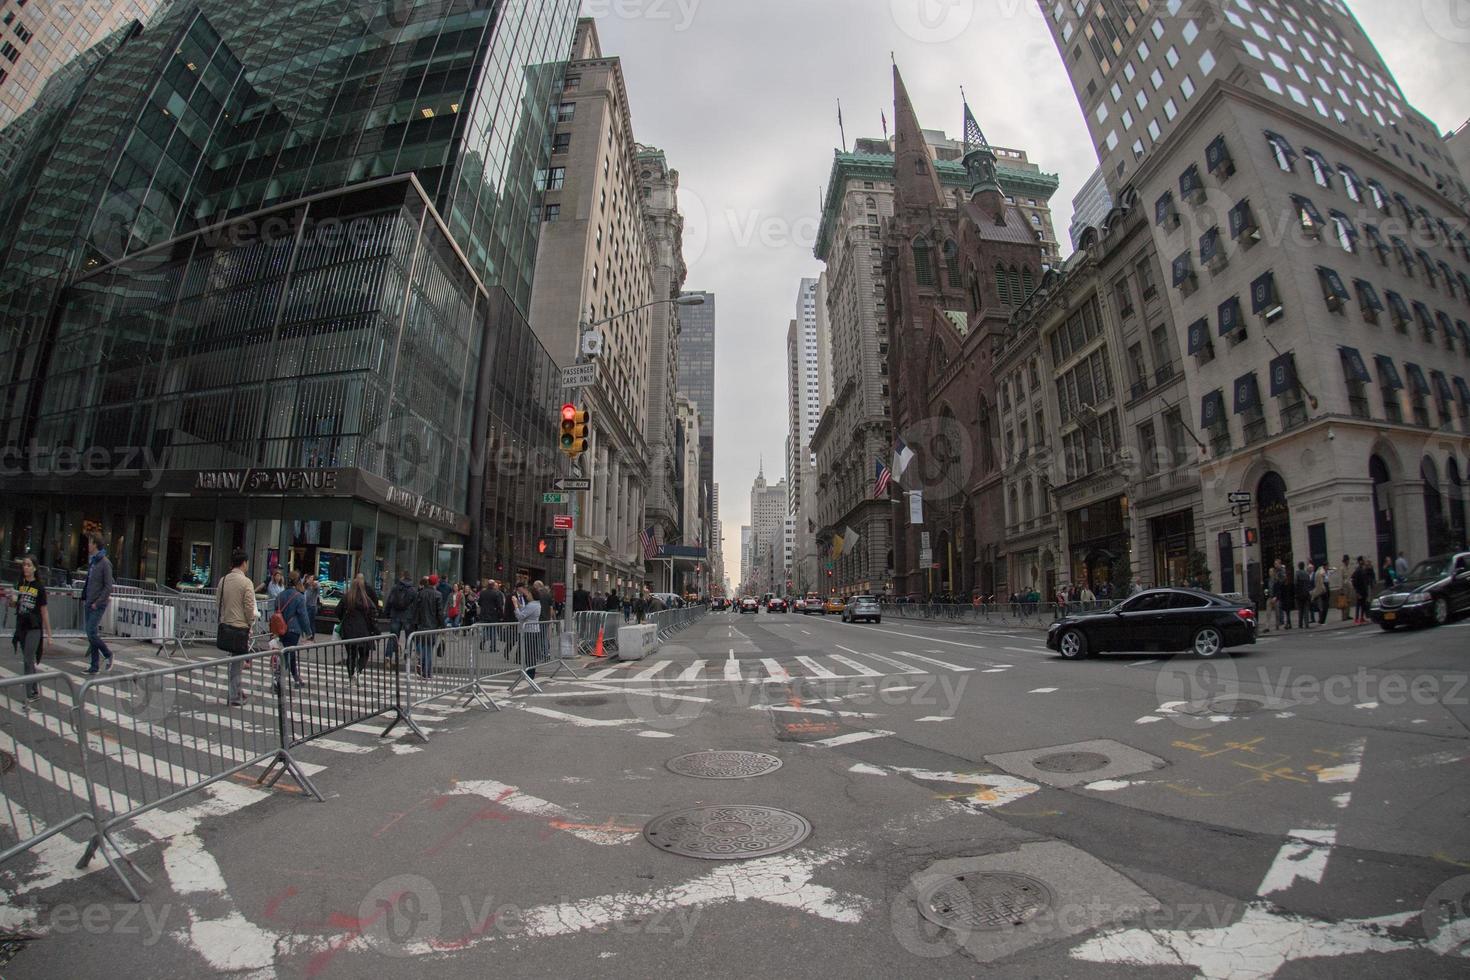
[(598, 651)]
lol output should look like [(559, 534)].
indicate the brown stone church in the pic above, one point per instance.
[(957, 266)]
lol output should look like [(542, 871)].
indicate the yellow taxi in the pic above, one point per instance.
[(834, 606)]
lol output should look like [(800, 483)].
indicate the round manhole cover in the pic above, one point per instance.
[(984, 900), (1235, 706), (7, 762), (587, 702), (727, 833), (724, 765), (1071, 762)]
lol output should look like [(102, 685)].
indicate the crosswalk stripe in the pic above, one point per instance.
[(600, 674), (905, 668), (817, 669), (849, 739), (651, 671), (692, 671), (732, 669), (854, 665), (939, 663), (775, 671)]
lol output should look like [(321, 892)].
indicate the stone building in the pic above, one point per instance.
[(955, 272)]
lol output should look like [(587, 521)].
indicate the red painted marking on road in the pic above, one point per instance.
[(467, 938), (389, 825), (273, 904), (354, 926), (811, 727), (464, 825)]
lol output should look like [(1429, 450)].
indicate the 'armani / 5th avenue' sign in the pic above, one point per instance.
[(267, 481)]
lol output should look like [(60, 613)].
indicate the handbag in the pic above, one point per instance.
[(227, 638), (278, 620)]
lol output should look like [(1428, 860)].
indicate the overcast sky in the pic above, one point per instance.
[(742, 94)]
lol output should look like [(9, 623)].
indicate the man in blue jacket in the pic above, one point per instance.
[(96, 594)]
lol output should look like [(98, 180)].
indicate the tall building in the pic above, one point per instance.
[(768, 535), (597, 259), (804, 410), (291, 282), (856, 427), (40, 38), (1457, 145), (697, 376), (716, 541), (692, 492), (1316, 273), (747, 557), (1089, 207)]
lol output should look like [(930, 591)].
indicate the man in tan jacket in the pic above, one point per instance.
[(237, 614)]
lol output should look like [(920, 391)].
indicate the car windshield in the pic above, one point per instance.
[(1431, 569)]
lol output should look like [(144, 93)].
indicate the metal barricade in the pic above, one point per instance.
[(591, 625), (446, 662), (326, 687)]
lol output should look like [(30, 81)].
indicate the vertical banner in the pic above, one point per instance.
[(916, 507)]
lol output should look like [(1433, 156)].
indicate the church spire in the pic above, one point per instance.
[(917, 182), (980, 164)]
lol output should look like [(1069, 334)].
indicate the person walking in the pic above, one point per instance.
[(359, 616), (1388, 574), (613, 604), (400, 610), (454, 607), (428, 615), (528, 613), (1342, 577), (581, 600), (640, 606), (1303, 593), (96, 594), (32, 624), (1362, 585), (237, 614), (442, 587), (599, 601), (291, 604), (492, 612), (1401, 568), (313, 595), (1319, 594)]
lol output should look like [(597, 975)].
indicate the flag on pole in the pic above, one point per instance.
[(883, 479), (836, 546), (840, 128), (902, 456), (851, 538), (885, 125), (650, 545)]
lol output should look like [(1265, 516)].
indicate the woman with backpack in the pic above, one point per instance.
[(359, 615), (455, 612), (289, 624)]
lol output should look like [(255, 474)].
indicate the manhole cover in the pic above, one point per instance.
[(724, 765), (1071, 762), (588, 702), (7, 762), (984, 900), (727, 833), (1235, 706)]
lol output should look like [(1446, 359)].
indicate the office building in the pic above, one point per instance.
[(1089, 207), (697, 377)]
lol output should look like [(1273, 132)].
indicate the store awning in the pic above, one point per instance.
[(1247, 394), (1230, 318), (1283, 374), (1353, 368), (1388, 373), (1199, 336), (1212, 409)]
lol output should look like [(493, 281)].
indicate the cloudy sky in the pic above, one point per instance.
[(742, 94)]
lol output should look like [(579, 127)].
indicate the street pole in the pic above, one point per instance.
[(569, 573)]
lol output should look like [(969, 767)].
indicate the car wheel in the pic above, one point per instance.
[(1072, 645), (1208, 643), (878, 621), (1441, 612)]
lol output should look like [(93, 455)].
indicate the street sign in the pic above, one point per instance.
[(926, 558), (579, 376), (572, 483), (563, 522), (1241, 498), (592, 343), (554, 498)]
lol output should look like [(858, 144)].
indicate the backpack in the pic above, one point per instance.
[(278, 620), (400, 599)]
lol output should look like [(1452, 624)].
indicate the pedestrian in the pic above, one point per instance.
[(428, 616), (276, 585), (471, 612), (599, 601), (492, 611), (1401, 568), (358, 613), (613, 603), (442, 587), (581, 600), (96, 594), (1362, 585), (640, 606), (1388, 574), (1086, 595), (1342, 575), (1303, 593), (1320, 591), (291, 604), (313, 604), (529, 614), (32, 624), (237, 614), (400, 610), (454, 607)]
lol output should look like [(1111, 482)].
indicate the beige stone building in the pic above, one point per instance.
[(1318, 269), (595, 260)]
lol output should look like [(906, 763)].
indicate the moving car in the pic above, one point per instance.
[(862, 607), (1160, 619), (833, 607), (812, 604), (749, 605), (777, 604), (1437, 590)]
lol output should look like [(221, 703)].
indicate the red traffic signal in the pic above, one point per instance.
[(1250, 537), (541, 546), (568, 412)]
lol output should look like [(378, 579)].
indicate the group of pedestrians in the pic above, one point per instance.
[(1311, 590)]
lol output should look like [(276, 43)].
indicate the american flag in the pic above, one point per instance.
[(650, 545), (884, 478)]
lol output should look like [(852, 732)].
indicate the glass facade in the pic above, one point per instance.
[(697, 380), (213, 257)]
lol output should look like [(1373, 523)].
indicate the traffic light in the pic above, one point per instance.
[(1250, 537), (574, 430), (541, 547)]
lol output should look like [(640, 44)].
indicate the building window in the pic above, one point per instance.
[(566, 112), (561, 143), (552, 212), (551, 180)]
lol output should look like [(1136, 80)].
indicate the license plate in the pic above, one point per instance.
[(1390, 617)]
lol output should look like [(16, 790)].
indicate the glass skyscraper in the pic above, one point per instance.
[(697, 379), (272, 260)]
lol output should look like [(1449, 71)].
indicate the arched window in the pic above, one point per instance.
[(923, 263), (1002, 285), (1015, 508), (952, 263), (1028, 284), (1030, 501), (975, 298), (1017, 296)]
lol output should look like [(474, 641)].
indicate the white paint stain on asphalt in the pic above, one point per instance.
[(1148, 720), (849, 739), (1366, 706), (559, 818), (1303, 857), (991, 789), (1348, 770), (936, 718), (1044, 690)]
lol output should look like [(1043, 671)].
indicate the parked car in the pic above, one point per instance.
[(1160, 619), (833, 606), (1436, 590), (862, 607), (750, 605), (776, 605), (813, 604)]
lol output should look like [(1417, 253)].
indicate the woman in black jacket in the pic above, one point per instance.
[(359, 615)]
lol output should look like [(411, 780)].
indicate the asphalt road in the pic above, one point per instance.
[(1297, 810)]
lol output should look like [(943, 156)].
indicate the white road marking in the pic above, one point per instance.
[(1040, 649), (849, 739), (937, 718), (775, 672), (1348, 771), (653, 734), (692, 671), (994, 789), (851, 664), (804, 710), (1108, 785), (896, 664), (1304, 856), (1366, 706), (651, 671), (1143, 663), (576, 720), (940, 663), (1148, 720), (816, 668), (513, 799), (732, 668), (605, 672), (1044, 690), (994, 670)]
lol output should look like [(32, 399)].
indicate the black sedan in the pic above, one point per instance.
[(1161, 619), (1436, 590)]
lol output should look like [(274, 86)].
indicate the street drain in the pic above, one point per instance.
[(727, 833), (7, 762), (586, 702), (1071, 762), (1235, 706), (724, 765), (984, 900)]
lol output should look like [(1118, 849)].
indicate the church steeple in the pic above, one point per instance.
[(917, 183), (980, 159)]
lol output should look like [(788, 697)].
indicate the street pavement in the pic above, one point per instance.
[(1296, 810)]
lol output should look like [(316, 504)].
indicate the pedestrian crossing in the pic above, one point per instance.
[(850, 664)]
